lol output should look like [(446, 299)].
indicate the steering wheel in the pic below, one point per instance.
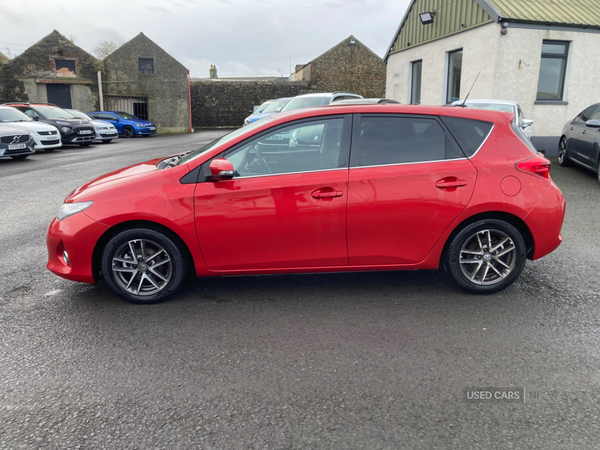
[(261, 157)]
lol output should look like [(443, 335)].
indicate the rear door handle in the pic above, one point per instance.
[(327, 193), (450, 182)]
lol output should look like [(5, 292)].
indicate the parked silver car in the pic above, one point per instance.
[(501, 105), (16, 142), (105, 131), (46, 136)]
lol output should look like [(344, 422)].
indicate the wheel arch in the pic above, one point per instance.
[(515, 221), (116, 229)]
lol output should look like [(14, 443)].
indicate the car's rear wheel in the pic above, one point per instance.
[(19, 157), (144, 265), (563, 153), (486, 256), (128, 132)]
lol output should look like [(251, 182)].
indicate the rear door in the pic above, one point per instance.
[(408, 182), (577, 138)]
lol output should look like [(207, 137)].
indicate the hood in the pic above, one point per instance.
[(12, 129), (35, 126), (73, 121), (113, 178), (102, 123)]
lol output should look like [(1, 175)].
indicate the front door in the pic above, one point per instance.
[(285, 206), (408, 182), (60, 95)]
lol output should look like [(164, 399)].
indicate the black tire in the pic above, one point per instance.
[(128, 132), (107, 141), (137, 281), (19, 157), (489, 271), (564, 159), (85, 144)]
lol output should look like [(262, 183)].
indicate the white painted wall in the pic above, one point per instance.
[(502, 76)]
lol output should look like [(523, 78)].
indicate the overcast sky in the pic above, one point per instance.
[(242, 37)]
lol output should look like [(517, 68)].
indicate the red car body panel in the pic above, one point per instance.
[(348, 219)]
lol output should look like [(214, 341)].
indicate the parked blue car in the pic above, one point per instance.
[(126, 124), (273, 107)]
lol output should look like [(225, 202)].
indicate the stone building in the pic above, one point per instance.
[(144, 80), (540, 53), (53, 70), (349, 66)]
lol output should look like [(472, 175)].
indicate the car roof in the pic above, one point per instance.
[(492, 101)]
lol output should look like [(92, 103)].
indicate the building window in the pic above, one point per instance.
[(65, 68), (553, 68), (146, 66), (415, 82), (453, 75)]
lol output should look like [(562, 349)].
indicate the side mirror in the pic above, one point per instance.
[(221, 169), (526, 123), (278, 109), (36, 118), (594, 123)]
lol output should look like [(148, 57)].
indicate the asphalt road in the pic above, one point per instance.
[(349, 361)]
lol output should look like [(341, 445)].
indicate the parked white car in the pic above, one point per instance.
[(45, 136), (105, 131), (502, 105)]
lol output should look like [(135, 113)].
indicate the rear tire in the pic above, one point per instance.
[(144, 265), (563, 153), (486, 256)]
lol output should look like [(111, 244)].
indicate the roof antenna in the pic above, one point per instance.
[(463, 104)]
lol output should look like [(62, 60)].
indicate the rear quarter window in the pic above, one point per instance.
[(469, 133)]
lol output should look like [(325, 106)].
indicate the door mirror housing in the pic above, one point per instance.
[(526, 123), (594, 123), (221, 169)]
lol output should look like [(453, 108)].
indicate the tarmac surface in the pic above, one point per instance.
[(324, 361)]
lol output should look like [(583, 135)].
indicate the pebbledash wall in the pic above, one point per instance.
[(221, 103), (509, 67)]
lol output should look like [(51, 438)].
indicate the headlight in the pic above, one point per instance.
[(60, 122), (68, 209), (139, 125), (65, 129)]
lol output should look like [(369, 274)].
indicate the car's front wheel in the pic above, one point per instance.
[(563, 153), (128, 132), (486, 256), (19, 157), (144, 265)]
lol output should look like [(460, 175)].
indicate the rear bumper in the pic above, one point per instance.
[(77, 235), (545, 221)]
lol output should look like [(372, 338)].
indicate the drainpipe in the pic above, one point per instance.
[(190, 101), (100, 91)]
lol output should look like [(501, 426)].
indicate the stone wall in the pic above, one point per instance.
[(227, 103), (166, 89), (349, 66)]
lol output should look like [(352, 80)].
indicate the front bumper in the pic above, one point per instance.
[(45, 142), (144, 131), (28, 150), (106, 135), (77, 235)]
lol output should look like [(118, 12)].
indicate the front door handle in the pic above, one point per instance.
[(327, 193), (450, 182)]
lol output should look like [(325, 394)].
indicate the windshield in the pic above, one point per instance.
[(52, 112), (79, 114), (273, 107), (126, 116), (13, 115), (262, 107), (223, 140), (305, 102)]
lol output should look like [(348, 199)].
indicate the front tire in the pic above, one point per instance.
[(128, 132), (486, 256), (144, 265), (563, 153), (85, 144), (19, 157), (106, 141)]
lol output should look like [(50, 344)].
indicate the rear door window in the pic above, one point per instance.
[(470, 134), (386, 140)]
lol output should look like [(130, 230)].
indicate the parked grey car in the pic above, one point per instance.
[(16, 142), (580, 140), (105, 131)]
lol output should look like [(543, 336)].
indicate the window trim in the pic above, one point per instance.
[(565, 75), (411, 81), (140, 68)]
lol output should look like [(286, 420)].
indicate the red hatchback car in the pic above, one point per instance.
[(329, 189)]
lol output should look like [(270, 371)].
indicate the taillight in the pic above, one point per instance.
[(537, 165)]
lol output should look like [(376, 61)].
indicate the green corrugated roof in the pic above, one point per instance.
[(568, 12)]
